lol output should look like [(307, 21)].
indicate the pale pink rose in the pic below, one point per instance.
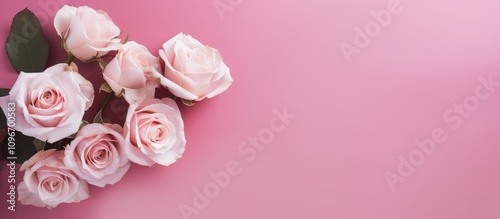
[(48, 183), (50, 104), (193, 71), (86, 86), (97, 154), (154, 132), (131, 71), (86, 33)]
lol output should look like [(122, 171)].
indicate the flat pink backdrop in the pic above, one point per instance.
[(354, 120)]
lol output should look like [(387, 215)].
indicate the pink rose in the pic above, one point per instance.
[(131, 71), (97, 154), (154, 132), (85, 32), (47, 182), (86, 86), (193, 71), (50, 104)]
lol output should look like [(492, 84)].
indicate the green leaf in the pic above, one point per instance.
[(70, 58), (106, 88), (3, 119), (98, 117), (26, 47), (187, 102), (125, 40), (24, 146), (84, 123), (4, 92), (39, 144), (102, 64)]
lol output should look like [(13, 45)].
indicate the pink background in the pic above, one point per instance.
[(354, 120)]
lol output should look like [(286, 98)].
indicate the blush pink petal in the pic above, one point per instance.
[(131, 79), (80, 154), (77, 37), (43, 169), (62, 19), (50, 124), (28, 198), (131, 71), (87, 33), (112, 74), (141, 120), (175, 88), (86, 88), (193, 71), (88, 17), (220, 85)]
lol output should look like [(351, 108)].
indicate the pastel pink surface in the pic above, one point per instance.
[(353, 120)]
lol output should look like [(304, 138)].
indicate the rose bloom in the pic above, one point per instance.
[(97, 154), (86, 33), (154, 132), (193, 71), (50, 104), (131, 71), (47, 182)]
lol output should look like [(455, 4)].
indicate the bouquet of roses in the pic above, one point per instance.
[(45, 107)]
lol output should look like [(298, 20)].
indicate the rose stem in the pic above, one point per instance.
[(106, 101), (103, 105), (70, 58), (59, 144)]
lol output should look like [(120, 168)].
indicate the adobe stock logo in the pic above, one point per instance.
[(364, 36), (249, 149), (223, 6), (49, 10), (30, 29), (118, 106), (454, 117)]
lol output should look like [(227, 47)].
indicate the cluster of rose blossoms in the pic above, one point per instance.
[(50, 106)]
